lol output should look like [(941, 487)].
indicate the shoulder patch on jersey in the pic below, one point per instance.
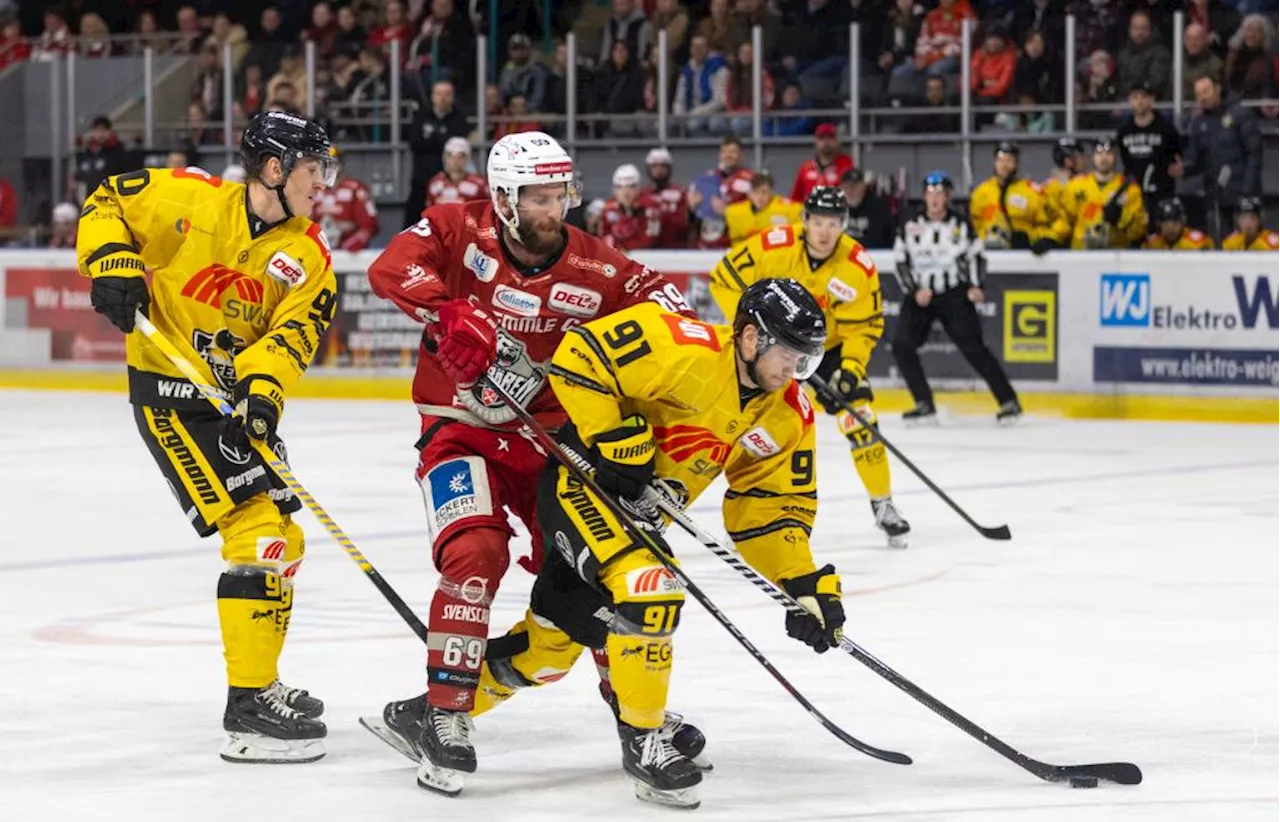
[(779, 237), (691, 332), (317, 233), (759, 444), (574, 300), (842, 291), (798, 399), (1195, 235), (286, 269)]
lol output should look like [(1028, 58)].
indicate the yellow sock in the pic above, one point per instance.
[(869, 457), (253, 611)]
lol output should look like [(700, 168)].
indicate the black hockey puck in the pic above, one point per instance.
[(1084, 781)]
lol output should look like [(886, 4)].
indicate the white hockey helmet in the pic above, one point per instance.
[(525, 159), (626, 175), (457, 145), (658, 156)]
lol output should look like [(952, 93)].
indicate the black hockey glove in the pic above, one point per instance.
[(116, 298), (1043, 246), (819, 594), (849, 383), (259, 402), (1020, 240), (1112, 212), (624, 458)]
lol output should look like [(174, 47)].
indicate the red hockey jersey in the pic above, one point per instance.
[(444, 189), (348, 215), (454, 252), (674, 206), (810, 175), (628, 229)]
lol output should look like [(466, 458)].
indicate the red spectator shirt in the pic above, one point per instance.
[(444, 189), (674, 206), (348, 215), (383, 35), (812, 174), (629, 229)]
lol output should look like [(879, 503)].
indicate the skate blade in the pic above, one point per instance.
[(380, 729), (899, 541), (927, 422), (681, 798), (267, 750), (1009, 422), (444, 781), (703, 762)]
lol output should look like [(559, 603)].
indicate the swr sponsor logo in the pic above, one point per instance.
[(208, 285), (652, 581)]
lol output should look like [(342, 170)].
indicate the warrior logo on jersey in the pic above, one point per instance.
[(518, 375)]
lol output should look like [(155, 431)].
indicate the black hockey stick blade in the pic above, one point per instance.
[(999, 532), (1121, 773)]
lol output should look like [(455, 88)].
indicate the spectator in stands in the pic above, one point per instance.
[(445, 46), (95, 37), (8, 204), (627, 23), (102, 155), (761, 211), (192, 33), (253, 90), (1224, 144), (815, 46), (620, 90), (1045, 17), (369, 83), (1037, 83), (395, 28), (751, 13), (723, 31), (349, 32), (1218, 19), (432, 126), (198, 131), (269, 42), (1099, 86), (227, 33), (740, 89), (323, 30), (792, 125), (709, 194), (672, 18), (494, 107), (180, 158), (148, 34), (13, 48), (66, 220), (293, 71), (670, 197), (1198, 60), (1144, 58), (524, 75), (939, 46), (206, 89), (991, 71), (870, 222), (1250, 69), (825, 167), (898, 35), (519, 118), (285, 98), (56, 39), (700, 92), (935, 96), (1160, 13), (1097, 27)]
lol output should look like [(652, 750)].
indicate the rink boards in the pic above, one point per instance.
[(1157, 335)]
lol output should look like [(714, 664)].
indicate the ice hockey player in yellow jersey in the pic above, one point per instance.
[(1249, 235), (241, 283), (1102, 209), (1008, 211), (761, 211), (842, 277), (1068, 161), (653, 395), (1172, 233)]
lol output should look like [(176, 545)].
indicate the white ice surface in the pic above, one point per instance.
[(1133, 617)]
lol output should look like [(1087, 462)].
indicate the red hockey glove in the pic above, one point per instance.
[(466, 341)]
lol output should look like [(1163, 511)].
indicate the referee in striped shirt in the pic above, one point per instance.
[(940, 268)]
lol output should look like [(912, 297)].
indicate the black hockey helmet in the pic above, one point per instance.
[(1249, 205), (1007, 147), (288, 138), (826, 200), (1171, 210), (785, 314), (1104, 144), (1064, 148)]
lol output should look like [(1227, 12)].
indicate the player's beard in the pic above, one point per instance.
[(542, 240)]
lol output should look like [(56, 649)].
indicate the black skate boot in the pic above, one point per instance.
[(889, 520), (445, 740), (261, 727), (298, 699), (661, 773), (1009, 413), (685, 737), (400, 725), (923, 414)]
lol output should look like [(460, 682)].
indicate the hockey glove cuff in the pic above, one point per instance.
[(259, 403), (819, 594), (466, 341), (849, 381), (625, 458), (117, 297)]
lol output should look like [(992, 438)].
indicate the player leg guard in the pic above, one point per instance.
[(686, 737), (869, 458), (471, 564), (534, 652)]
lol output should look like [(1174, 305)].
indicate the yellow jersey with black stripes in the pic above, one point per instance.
[(682, 376), (236, 296), (846, 284)]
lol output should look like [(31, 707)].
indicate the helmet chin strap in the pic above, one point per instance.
[(750, 363)]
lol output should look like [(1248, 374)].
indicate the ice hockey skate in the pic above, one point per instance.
[(447, 754), (889, 520), (661, 774), (262, 727)]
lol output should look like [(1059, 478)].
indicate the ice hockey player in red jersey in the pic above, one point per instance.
[(631, 219), (455, 184), (496, 284), (671, 199), (348, 214)]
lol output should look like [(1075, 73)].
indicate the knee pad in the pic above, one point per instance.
[(256, 535), (863, 435), (474, 558)]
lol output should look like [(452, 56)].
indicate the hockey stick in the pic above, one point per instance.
[(1123, 773), (820, 385), (219, 401), (583, 472)]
